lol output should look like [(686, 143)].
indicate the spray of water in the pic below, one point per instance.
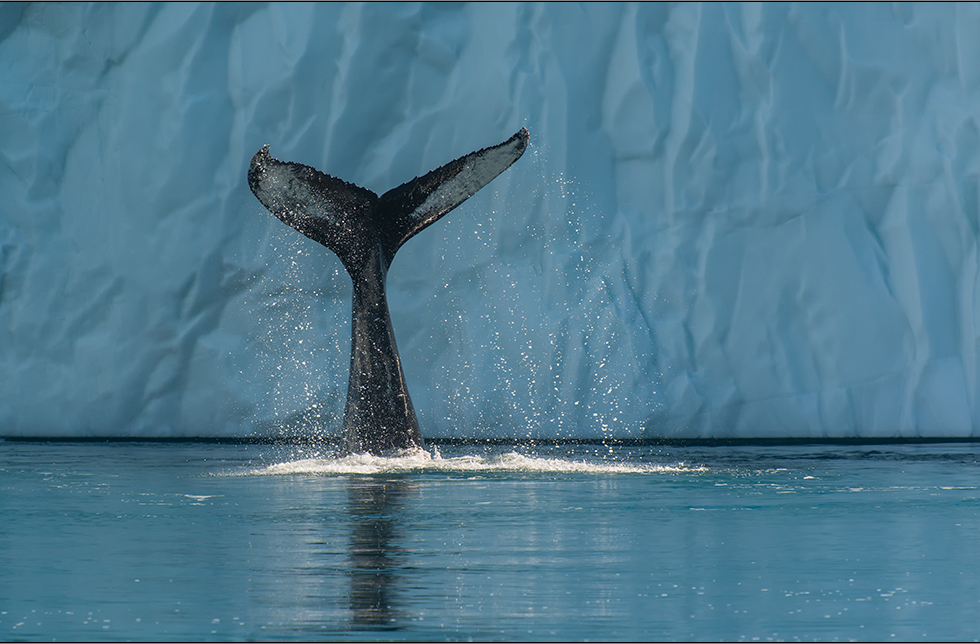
[(524, 337)]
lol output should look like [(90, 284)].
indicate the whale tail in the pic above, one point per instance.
[(365, 231), (343, 216)]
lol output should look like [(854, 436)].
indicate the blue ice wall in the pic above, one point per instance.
[(734, 220)]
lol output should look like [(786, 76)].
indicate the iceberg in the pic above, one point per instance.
[(735, 221)]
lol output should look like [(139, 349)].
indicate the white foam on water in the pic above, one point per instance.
[(422, 461)]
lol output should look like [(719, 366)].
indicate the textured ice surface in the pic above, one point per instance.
[(733, 220)]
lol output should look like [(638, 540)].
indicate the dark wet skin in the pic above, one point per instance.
[(365, 232)]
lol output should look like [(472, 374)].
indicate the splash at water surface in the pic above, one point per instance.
[(423, 461)]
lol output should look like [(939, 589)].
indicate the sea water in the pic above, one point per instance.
[(188, 541)]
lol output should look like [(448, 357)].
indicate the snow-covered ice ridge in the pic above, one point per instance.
[(734, 221)]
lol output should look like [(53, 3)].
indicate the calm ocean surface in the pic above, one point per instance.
[(186, 541)]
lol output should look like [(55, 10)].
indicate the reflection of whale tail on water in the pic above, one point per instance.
[(365, 231), (377, 558)]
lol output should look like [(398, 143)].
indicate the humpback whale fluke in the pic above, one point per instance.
[(365, 231)]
